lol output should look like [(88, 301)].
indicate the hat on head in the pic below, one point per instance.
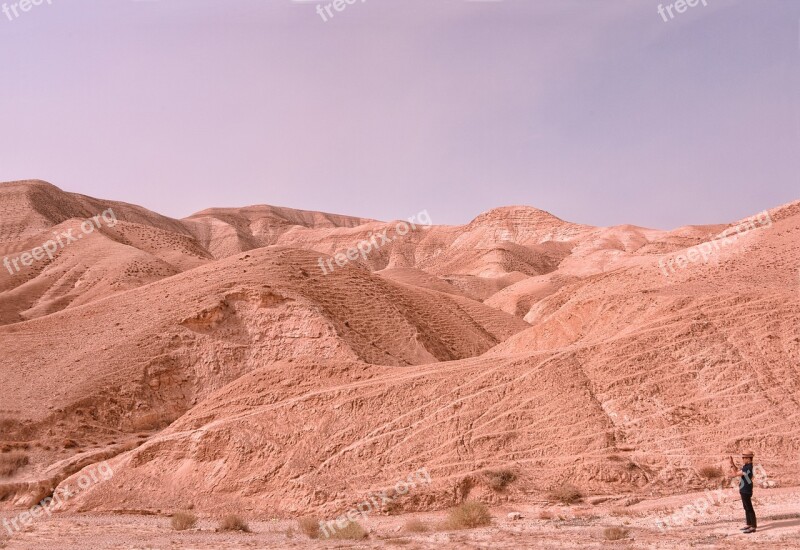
[(748, 454)]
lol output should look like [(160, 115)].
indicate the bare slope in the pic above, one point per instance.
[(220, 366)]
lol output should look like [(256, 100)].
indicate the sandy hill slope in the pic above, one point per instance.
[(228, 231), (135, 361), (128, 246), (228, 361)]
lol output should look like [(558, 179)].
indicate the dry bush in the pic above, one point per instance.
[(544, 514), (129, 446), (584, 514), (351, 531), (778, 517), (710, 472), (469, 515), (233, 522), (183, 520), (619, 511), (498, 480), (11, 462), (416, 526), (566, 494), (392, 507), (615, 533), (309, 526)]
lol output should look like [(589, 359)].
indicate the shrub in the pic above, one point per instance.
[(233, 522), (499, 479), (710, 472), (351, 531), (784, 516), (566, 494), (183, 520), (469, 515), (11, 462), (309, 526), (392, 508), (544, 514), (615, 533), (416, 526), (584, 514)]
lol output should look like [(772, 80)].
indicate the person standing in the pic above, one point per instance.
[(746, 490)]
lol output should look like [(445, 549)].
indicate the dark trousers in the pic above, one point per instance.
[(749, 513)]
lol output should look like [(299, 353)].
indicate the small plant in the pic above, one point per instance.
[(784, 516), (469, 515), (566, 494), (615, 533), (11, 462), (182, 521), (544, 514), (351, 531), (498, 480), (233, 522), (710, 472), (309, 526), (584, 514), (416, 526), (392, 508)]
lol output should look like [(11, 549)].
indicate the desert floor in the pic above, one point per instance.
[(573, 527)]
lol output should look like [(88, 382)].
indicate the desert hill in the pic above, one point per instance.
[(214, 362)]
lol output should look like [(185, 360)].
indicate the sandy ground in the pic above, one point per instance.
[(575, 527)]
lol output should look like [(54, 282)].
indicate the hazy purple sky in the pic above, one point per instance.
[(597, 111)]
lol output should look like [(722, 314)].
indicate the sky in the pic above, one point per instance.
[(600, 112)]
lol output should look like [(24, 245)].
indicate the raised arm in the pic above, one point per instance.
[(734, 473)]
